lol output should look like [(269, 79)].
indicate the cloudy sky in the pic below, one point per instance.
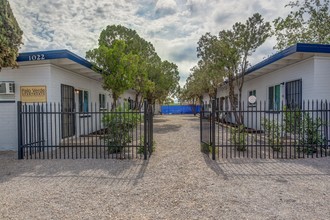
[(172, 26)]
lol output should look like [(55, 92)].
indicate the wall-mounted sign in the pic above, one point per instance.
[(33, 94), (252, 99)]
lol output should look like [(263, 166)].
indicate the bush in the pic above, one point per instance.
[(273, 132), (118, 125), (141, 147), (238, 136), (310, 134), (206, 148), (292, 120)]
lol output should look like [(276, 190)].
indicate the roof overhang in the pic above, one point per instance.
[(287, 57), (62, 58)]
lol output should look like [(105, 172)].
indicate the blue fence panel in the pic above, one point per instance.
[(179, 109)]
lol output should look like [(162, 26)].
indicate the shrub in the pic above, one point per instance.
[(238, 136), (273, 131), (119, 124), (310, 134), (141, 147), (292, 120), (206, 148)]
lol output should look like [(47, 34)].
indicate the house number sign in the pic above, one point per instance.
[(37, 57)]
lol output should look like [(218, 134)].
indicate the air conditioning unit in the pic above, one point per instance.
[(7, 88)]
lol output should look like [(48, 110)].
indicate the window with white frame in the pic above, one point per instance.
[(83, 100), (102, 101), (274, 97)]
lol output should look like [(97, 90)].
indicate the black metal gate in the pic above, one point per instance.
[(261, 133), (44, 133)]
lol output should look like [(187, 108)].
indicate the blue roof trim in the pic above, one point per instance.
[(51, 55), (299, 47)]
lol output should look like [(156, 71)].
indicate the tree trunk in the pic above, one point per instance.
[(114, 104)]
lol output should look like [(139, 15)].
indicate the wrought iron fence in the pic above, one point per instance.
[(256, 132), (49, 131)]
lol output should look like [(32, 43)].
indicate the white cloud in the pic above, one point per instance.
[(166, 4), (173, 26)]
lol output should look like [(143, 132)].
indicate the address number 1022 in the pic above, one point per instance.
[(37, 57)]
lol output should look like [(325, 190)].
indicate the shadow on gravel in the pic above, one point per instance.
[(86, 172), (163, 129), (278, 170), (271, 169), (191, 119), (158, 120), (214, 166)]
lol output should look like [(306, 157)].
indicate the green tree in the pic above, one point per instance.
[(247, 38), (10, 36), (211, 66), (194, 87), (166, 78), (117, 65), (145, 72), (308, 22), (227, 55), (137, 46)]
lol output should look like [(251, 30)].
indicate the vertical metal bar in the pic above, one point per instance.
[(88, 129), (47, 130), (152, 131), (94, 129), (60, 129), (51, 130), (145, 128), (213, 129), (19, 130), (326, 128), (34, 129), (266, 116), (201, 121)]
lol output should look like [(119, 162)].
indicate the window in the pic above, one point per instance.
[(217, 103), (222, 101), (252, 93), (236, 100), (130, 103), (102, 101), (293, 94), (226, 103), (274, 97), (83, 101)]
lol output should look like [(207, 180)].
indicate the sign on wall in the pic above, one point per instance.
[(33, 94)]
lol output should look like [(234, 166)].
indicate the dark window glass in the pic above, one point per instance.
[(293, 94)]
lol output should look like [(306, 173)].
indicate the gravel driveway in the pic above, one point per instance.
[(178, 182)]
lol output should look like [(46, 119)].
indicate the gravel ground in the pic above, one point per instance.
[(178, 182)]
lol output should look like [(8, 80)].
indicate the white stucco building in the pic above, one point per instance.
[(300, 72), (54, 77)]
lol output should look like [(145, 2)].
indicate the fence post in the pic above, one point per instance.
[(201, 112), (213, 129), (145, 142), (19, 130), (151, 131)]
